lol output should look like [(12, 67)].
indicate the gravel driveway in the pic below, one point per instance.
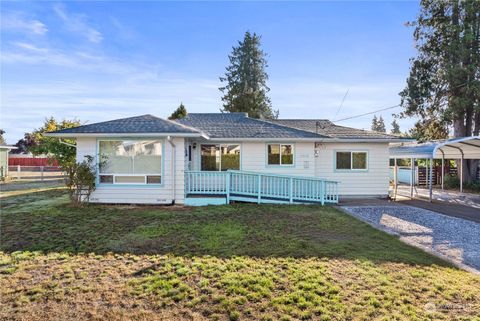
[(455, 239)]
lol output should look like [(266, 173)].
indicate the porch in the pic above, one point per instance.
[(216, 187)]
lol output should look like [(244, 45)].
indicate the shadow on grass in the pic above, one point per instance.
[(44, 221)]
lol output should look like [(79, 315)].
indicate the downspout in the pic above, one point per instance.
[(169, 139)]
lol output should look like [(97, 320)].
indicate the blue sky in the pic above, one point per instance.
[(97, 61)]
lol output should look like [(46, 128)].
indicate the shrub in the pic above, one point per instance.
[(474, 186), (451, 182), (81, 180)]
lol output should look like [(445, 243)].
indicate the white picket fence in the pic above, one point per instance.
[(35, 173)]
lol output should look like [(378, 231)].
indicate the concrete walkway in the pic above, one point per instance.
[(447, 196), (451, 238)]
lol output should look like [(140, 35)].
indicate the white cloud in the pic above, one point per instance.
[(21, 53), (98, 97), (77, 23), (18, 21)]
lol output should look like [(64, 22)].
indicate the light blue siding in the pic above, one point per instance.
[(404, 175)]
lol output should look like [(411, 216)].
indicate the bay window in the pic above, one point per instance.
[(220, 157), (280, 154), (130, 161)]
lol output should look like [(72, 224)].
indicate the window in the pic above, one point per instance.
[(219, 157), (280, 154), (351, 160), (130, 162)]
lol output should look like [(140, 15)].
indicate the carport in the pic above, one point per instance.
[(458, 148)]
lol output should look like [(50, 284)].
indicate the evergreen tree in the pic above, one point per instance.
[(381, 125), (428, 129), (443, 87), (374, 123), (2, 139), (245, 80), (180, 112), (395, 128), (378, 124)]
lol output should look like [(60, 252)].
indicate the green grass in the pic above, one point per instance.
[(237, 262)]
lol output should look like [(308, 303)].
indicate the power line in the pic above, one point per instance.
[(369, 113), (341, 104), (387, 108)]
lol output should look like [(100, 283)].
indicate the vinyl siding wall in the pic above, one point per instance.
[(130, 194), (372, 182), (253, 158)]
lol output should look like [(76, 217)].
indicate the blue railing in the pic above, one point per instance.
[(261, 187)]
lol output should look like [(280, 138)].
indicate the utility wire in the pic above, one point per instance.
[(341, 104), (387, 108), (369, 113)]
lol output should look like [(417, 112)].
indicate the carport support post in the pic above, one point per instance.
[(443, 168), (412, 175), (395, 178), (461, 174), (430, 179)]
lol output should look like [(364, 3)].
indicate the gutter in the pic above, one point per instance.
[(169, 139), (68, 144), (316, 140)]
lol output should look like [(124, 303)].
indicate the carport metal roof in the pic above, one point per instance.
[(457, 148)]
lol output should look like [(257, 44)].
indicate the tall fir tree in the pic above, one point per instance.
[(395, 128), (381, 125), (443, 87), (180, 112), (245, 80), (374, 123), (378, 124), (428, 129)]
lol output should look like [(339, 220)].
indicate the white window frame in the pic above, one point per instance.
[(280, 151), (114, 175), (351, 161)]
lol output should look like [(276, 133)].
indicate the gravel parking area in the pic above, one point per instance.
[(452, 238)]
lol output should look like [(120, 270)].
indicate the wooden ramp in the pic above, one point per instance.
[(202, 186)]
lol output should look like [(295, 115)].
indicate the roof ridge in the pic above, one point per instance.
[(185, 126), (113, 120), (291, 128), (135, 124), (229, 113), (308, 119)]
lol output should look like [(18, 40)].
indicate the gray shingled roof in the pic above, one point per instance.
[(138, 124), (228, 126), (327, 128), (239, 125)]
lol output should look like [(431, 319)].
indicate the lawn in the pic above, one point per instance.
[(237, 262)]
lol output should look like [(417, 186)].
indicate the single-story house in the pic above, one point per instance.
[(214, 158)]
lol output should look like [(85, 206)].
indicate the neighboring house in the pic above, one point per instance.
[(156, 161), (4, 150)]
